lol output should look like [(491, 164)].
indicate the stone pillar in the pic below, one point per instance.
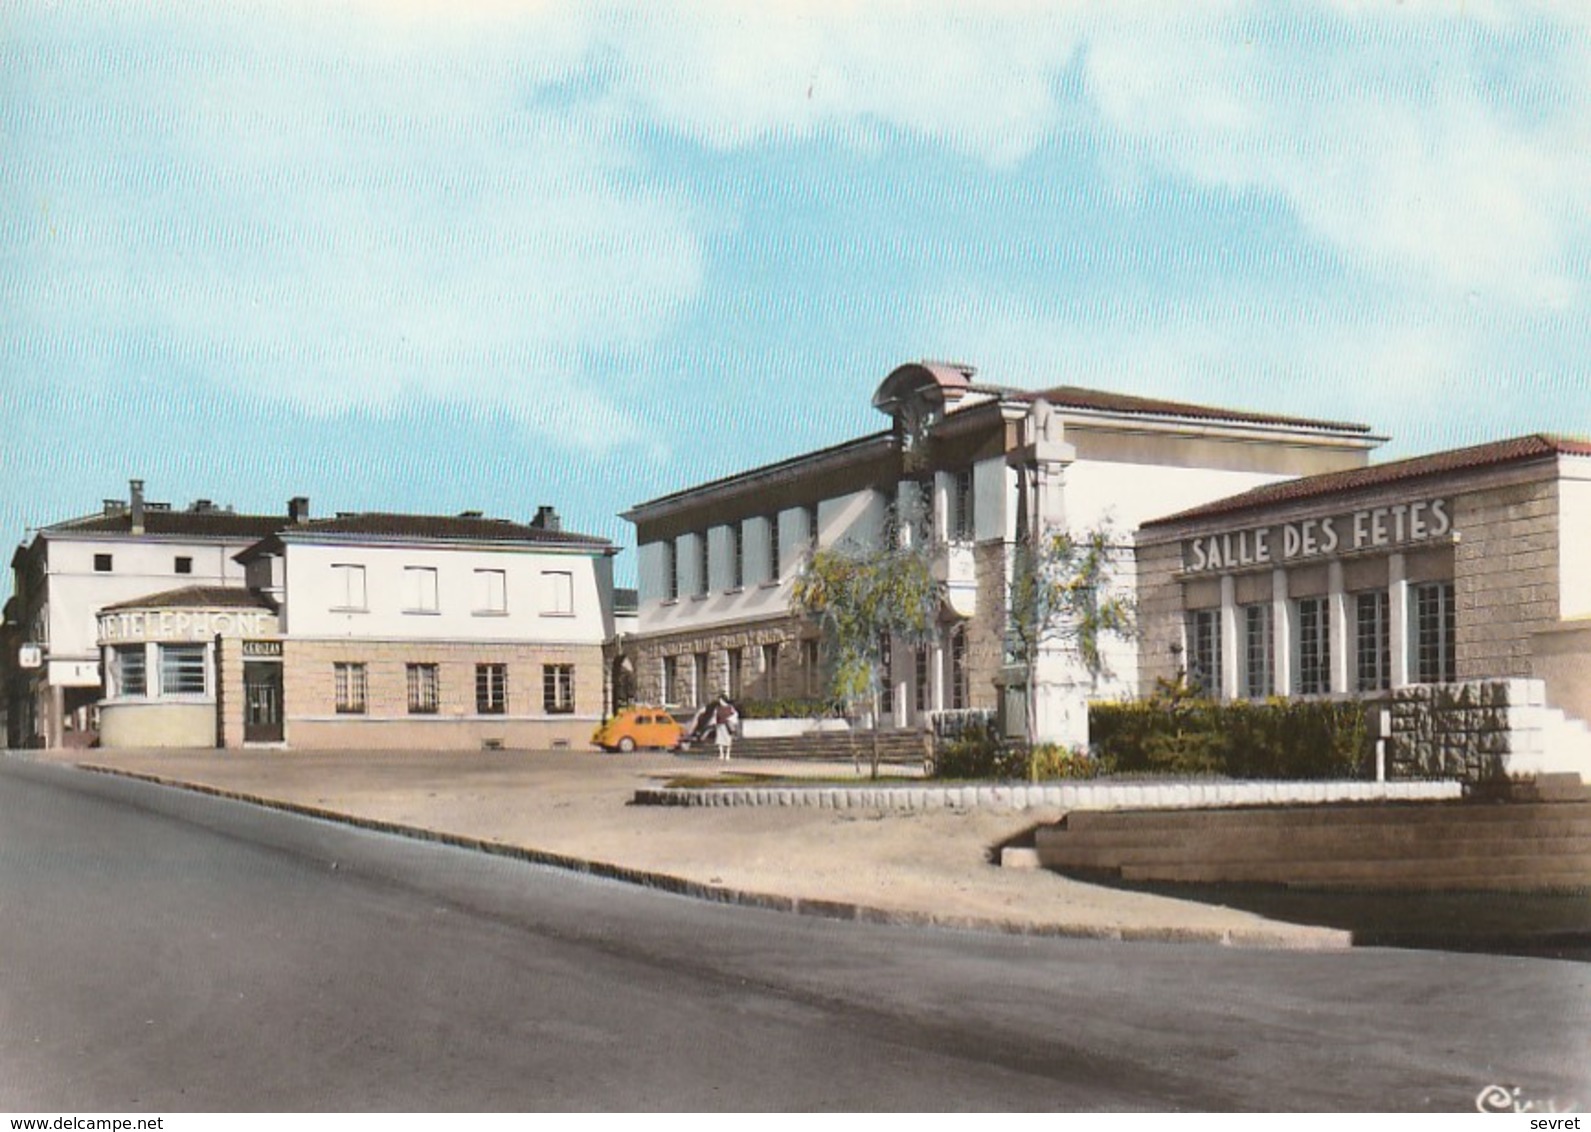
[(1281, 635), (1398, 611), (1337, 602), (1230, 637)]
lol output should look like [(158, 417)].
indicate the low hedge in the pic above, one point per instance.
[(1277, 739), (791, 707)]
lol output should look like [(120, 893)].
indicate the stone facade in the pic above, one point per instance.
[(1505, 574), (793, 675)]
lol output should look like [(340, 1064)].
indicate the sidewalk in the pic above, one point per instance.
[(575, 808)]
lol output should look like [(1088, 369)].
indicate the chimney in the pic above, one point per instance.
[(547, 519), (298, 509), (135, 491), (114, 506), (202, 506)]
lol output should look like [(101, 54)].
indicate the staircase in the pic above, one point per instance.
[(1452, 846)]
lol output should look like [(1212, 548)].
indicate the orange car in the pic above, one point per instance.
[(639, 727)]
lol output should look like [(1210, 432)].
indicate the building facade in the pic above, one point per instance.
[(986, 464), (1465, 565)]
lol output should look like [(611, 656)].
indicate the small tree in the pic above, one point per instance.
[(860, 595), (1062, 594)]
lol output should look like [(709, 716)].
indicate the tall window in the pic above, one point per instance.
[(182, 670), (559, 586), (423, 689), (1204, 651), (737, 555), (349, 679), (921, 661), (671, 679), (1435, 622), (962, 525), (959, 683), (670, 571), (886, 691), (1372, 641), (701, 564), (737, 672), (1258, 676), (773, 548), (132, 673), (699, 690), (491, 591), (812, 525), (348, 586), (558, 688), (491, 689), (813, 675), (770, 670), (419, 589), (1314, 646)]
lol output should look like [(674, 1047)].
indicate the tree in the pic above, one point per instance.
[(861, 595), (1062, 595)]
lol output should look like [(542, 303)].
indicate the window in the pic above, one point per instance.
[(1435, 621), (1259, 680), (699, 677), (773, 548), (737, 555), (491, 592), (886, 690), (923, 689), (811, 514), (737, 669), (670, 571), (419, 589), (958, 669), (770, 670), (1204, 651), (132, 675), (102, 564), (558, 688), (182, 565), (809, 665), (182, 670), (491, 689), (349, 679), (423, 689), (961, 517), (559, 588), (701, 564), (671, 679), (348, 586), (1372, 641), (1314, 647)]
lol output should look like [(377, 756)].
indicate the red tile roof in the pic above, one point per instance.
[(1099, 400), (1519, 449)]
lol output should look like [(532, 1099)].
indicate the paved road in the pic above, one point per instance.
[(167, 951)]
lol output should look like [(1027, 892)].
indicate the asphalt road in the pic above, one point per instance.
[(166, 951)]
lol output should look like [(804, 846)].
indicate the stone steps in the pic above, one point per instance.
[(1538, 846), (832, 746)]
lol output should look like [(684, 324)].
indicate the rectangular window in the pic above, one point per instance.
[(671, 679), (423, 689), (770, 670), (1258, 673), (1372, 641), (491, 689), (419, 589), (102, 563), (923, 689), (1204, 651), (959, 689), (699, 676), (132, 674), (737, 555), (773, 548), (352, 696), (670, 571), (558, 688), (348, 586), (182, 670), (701, 564), (813, 675), (559, 588), (491, 592), (962, 525), (1435, 622), (886, 676), (1314, 646), (812, 526), (182, 565), (737, 671)]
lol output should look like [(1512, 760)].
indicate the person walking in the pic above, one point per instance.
[(725, 720)]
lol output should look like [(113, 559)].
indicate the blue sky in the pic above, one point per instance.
[(431, 257)]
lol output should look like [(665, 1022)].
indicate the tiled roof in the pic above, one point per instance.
[(447, 528), (1534, 446), (198, 597), (1099, 400), (189, 524)]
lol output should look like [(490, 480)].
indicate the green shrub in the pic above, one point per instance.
[(791, 707)]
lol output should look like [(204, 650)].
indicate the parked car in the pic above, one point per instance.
[(639, 727)]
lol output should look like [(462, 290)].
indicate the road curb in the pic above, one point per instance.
[(1299, 938)]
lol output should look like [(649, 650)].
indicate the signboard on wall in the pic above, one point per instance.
[(1353, 532), (183, 624), (30, 656)]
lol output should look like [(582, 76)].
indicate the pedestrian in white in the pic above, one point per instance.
[(725, 720)]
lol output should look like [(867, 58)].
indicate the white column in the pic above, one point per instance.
[(1398, 611), (1337, 602), (1229, 638), (1281, 635), (936, 672)]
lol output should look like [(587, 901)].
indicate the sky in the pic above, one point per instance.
[(433, 257)]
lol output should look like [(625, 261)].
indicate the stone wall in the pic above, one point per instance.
[(1159, 614), (986, 628), (1505, 575), (1470, 730), (791, 677)]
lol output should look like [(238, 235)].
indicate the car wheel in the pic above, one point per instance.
[(627, 744)]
